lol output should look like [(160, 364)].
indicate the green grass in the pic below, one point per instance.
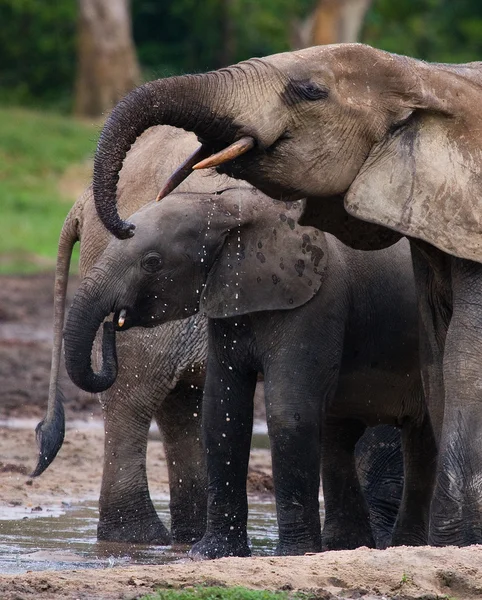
[(222, 593), (36, 150)]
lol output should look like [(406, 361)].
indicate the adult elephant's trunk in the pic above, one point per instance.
[(199, 103), (89, 308)]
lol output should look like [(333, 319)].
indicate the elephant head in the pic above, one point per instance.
[(228, 254), (399, 139)]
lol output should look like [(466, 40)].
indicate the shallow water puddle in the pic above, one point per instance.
[(65, 538)]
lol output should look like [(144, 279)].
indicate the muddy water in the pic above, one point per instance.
[(66, 539), (33, 539)]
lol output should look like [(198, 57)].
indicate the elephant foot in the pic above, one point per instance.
[(219, 546), (462, 533), (187, 535), (298, 548), (290, 550), (412, 536), (346, 540), (135, 532)]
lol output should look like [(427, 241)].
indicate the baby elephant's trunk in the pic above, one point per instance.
[(86, 314)]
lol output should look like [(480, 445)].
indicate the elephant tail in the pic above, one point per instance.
[(50, 431)]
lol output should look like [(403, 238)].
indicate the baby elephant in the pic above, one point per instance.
[(333, 330)]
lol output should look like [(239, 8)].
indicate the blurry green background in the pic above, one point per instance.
[(45, 153)]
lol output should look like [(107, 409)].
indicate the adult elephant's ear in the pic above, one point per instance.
[(268, 263), (425, 180)]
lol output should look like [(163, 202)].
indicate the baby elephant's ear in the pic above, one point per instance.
[(272, 263), (425, 181)]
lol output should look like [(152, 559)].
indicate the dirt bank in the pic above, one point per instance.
[(395, 573)]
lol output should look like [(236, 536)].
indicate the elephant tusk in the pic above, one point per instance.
[(183, 171), (122, 318), (233, 151), (203, 159)]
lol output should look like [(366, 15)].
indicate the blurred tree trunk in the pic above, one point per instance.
[(227, 51), (107, 64), (331, 22)]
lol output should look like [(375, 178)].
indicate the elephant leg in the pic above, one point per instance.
[(419, 465), (456, 512), (293, 416), (379, 464), (347, 518), (126, 512), (227, 428), (179, 420), (431, 275)]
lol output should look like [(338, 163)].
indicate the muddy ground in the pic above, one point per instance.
[(25, 345)]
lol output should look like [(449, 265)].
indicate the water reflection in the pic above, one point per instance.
[(65, 538)]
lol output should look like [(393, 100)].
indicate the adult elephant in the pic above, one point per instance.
[(374, 141), (172, 392), (333, 330), (170, 389)]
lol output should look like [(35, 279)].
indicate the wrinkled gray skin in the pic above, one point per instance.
[(333, 330), (164, 391), (387, 139)]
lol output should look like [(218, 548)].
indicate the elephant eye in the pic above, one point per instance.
[(304, 89), (151, 262)]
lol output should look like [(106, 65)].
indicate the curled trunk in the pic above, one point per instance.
[(198, 103), (86, 314)]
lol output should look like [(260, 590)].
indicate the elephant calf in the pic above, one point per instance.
[(333, 330)]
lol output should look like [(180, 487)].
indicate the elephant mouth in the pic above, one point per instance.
[(126, 318), (232, 160), (205, 157)]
